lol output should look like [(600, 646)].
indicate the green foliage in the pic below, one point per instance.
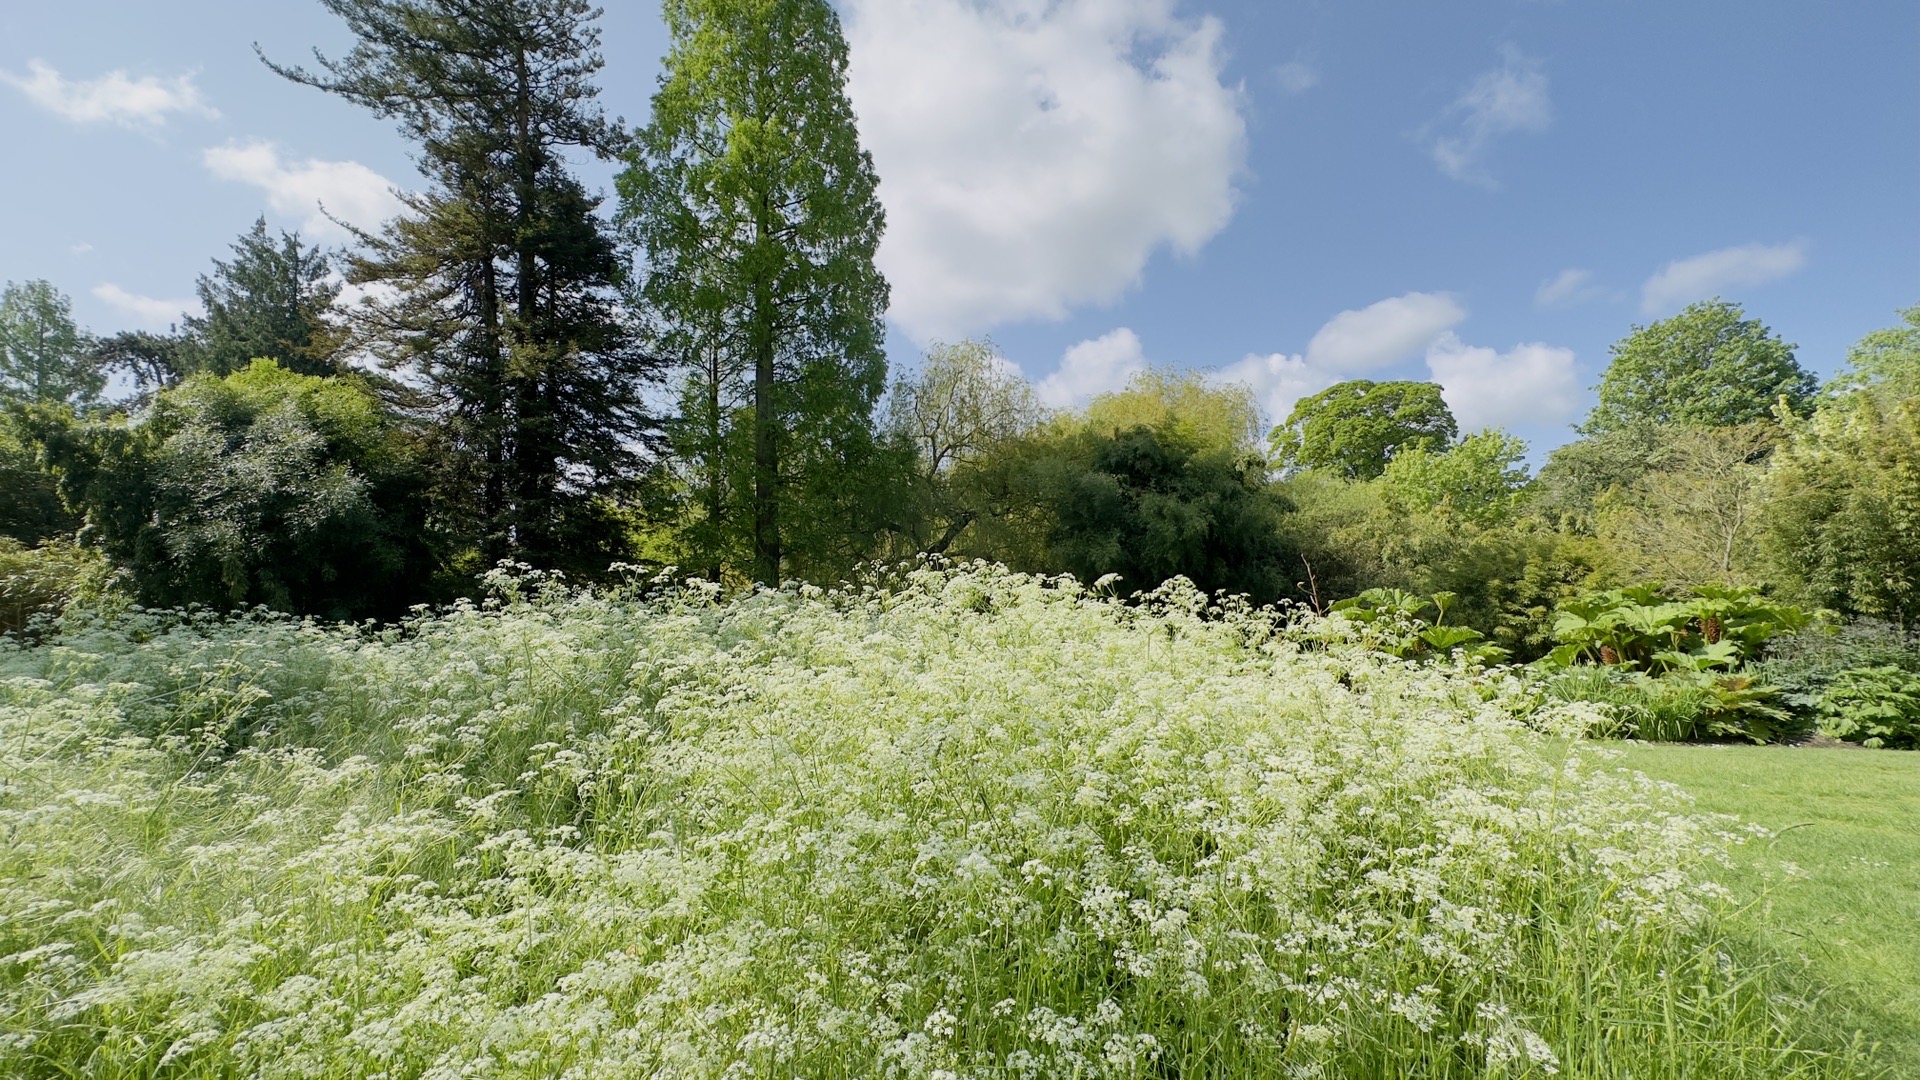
[(1885, 362), (1709, 366), (1393, 621), (39, 582), (270, 302), (1843, 513), (1355, 428), (264, 487), (1191, 406), (44, 357), (1145, 505), (1681, 704), (971, 822), (753, 205), (503, 281), (1482, 479), (1695, 515), (1875, 706), (1640, 629), (30, 506)]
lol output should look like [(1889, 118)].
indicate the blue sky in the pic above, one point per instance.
[(1288, 193)]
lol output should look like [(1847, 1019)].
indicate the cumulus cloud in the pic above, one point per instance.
[(1569, 287), (1699, 277), (346, 189), (1278, 381), (113, 98), (1510, 99), (144, 312), (1034, 156), (1092, 368), (1383, 333), (1296, 76), (1529, 385)]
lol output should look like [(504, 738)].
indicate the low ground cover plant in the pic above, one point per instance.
[(944, 823)]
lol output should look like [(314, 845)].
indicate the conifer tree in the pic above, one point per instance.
[(269, 303), (505, 281), (754, 206)]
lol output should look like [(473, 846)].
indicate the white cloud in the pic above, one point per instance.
[(1092, 368), (1570, 286), (1511, 98), (146, 312), (1383, 333), (1529, 385), (1278, 381), (1034, 156), (1296, 76), (347, 189), (1702, 276), (112, 98)]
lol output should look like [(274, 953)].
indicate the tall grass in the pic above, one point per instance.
[(949, 823)]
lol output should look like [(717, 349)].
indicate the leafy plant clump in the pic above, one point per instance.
[(945, 823)]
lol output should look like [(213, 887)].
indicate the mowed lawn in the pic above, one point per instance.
[(1850, 821)]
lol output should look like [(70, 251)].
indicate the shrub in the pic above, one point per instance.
[(1876, 706), (41, 581)]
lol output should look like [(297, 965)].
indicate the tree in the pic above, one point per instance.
[(263, 487), (1205, 414), (964, 405), (753, 204), (1709, 366), (1354, 428), (1843, 509), (1885, 361), (1149, 504), (1694, 517), (1481, 480), (270, 302), (44, 356), (506, 282)]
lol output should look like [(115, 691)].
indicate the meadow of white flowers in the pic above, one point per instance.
[(951, 823)]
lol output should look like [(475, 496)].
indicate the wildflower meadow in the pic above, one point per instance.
[(947, 822)]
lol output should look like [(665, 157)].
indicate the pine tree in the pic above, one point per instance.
[(506, 281), (754, 206), (269, 303)]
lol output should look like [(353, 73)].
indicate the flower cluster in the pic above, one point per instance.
[(942, 823)]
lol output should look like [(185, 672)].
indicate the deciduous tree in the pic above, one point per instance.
[(44, 355), (754, 206), (1709, 366), (1354, 428)]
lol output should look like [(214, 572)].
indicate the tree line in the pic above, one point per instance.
[(694, 375)]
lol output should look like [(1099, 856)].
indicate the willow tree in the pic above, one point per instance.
[(753, 205), (504, 282)]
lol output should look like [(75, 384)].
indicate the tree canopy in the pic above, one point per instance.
[(1709, 366), (270, 302), (506, 310), (753, 204), (1354, 428), (44, 356)]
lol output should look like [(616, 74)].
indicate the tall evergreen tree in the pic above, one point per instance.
[(506, 281), (44, 356), (269, 303), (754, 205)]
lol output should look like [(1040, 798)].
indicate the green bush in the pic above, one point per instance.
[(41, 581), (1680, 706), (1875, 706)]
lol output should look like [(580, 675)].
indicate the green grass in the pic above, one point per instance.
[(1850, 820)]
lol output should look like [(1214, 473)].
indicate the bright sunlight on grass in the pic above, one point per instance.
[(1850, 821)]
